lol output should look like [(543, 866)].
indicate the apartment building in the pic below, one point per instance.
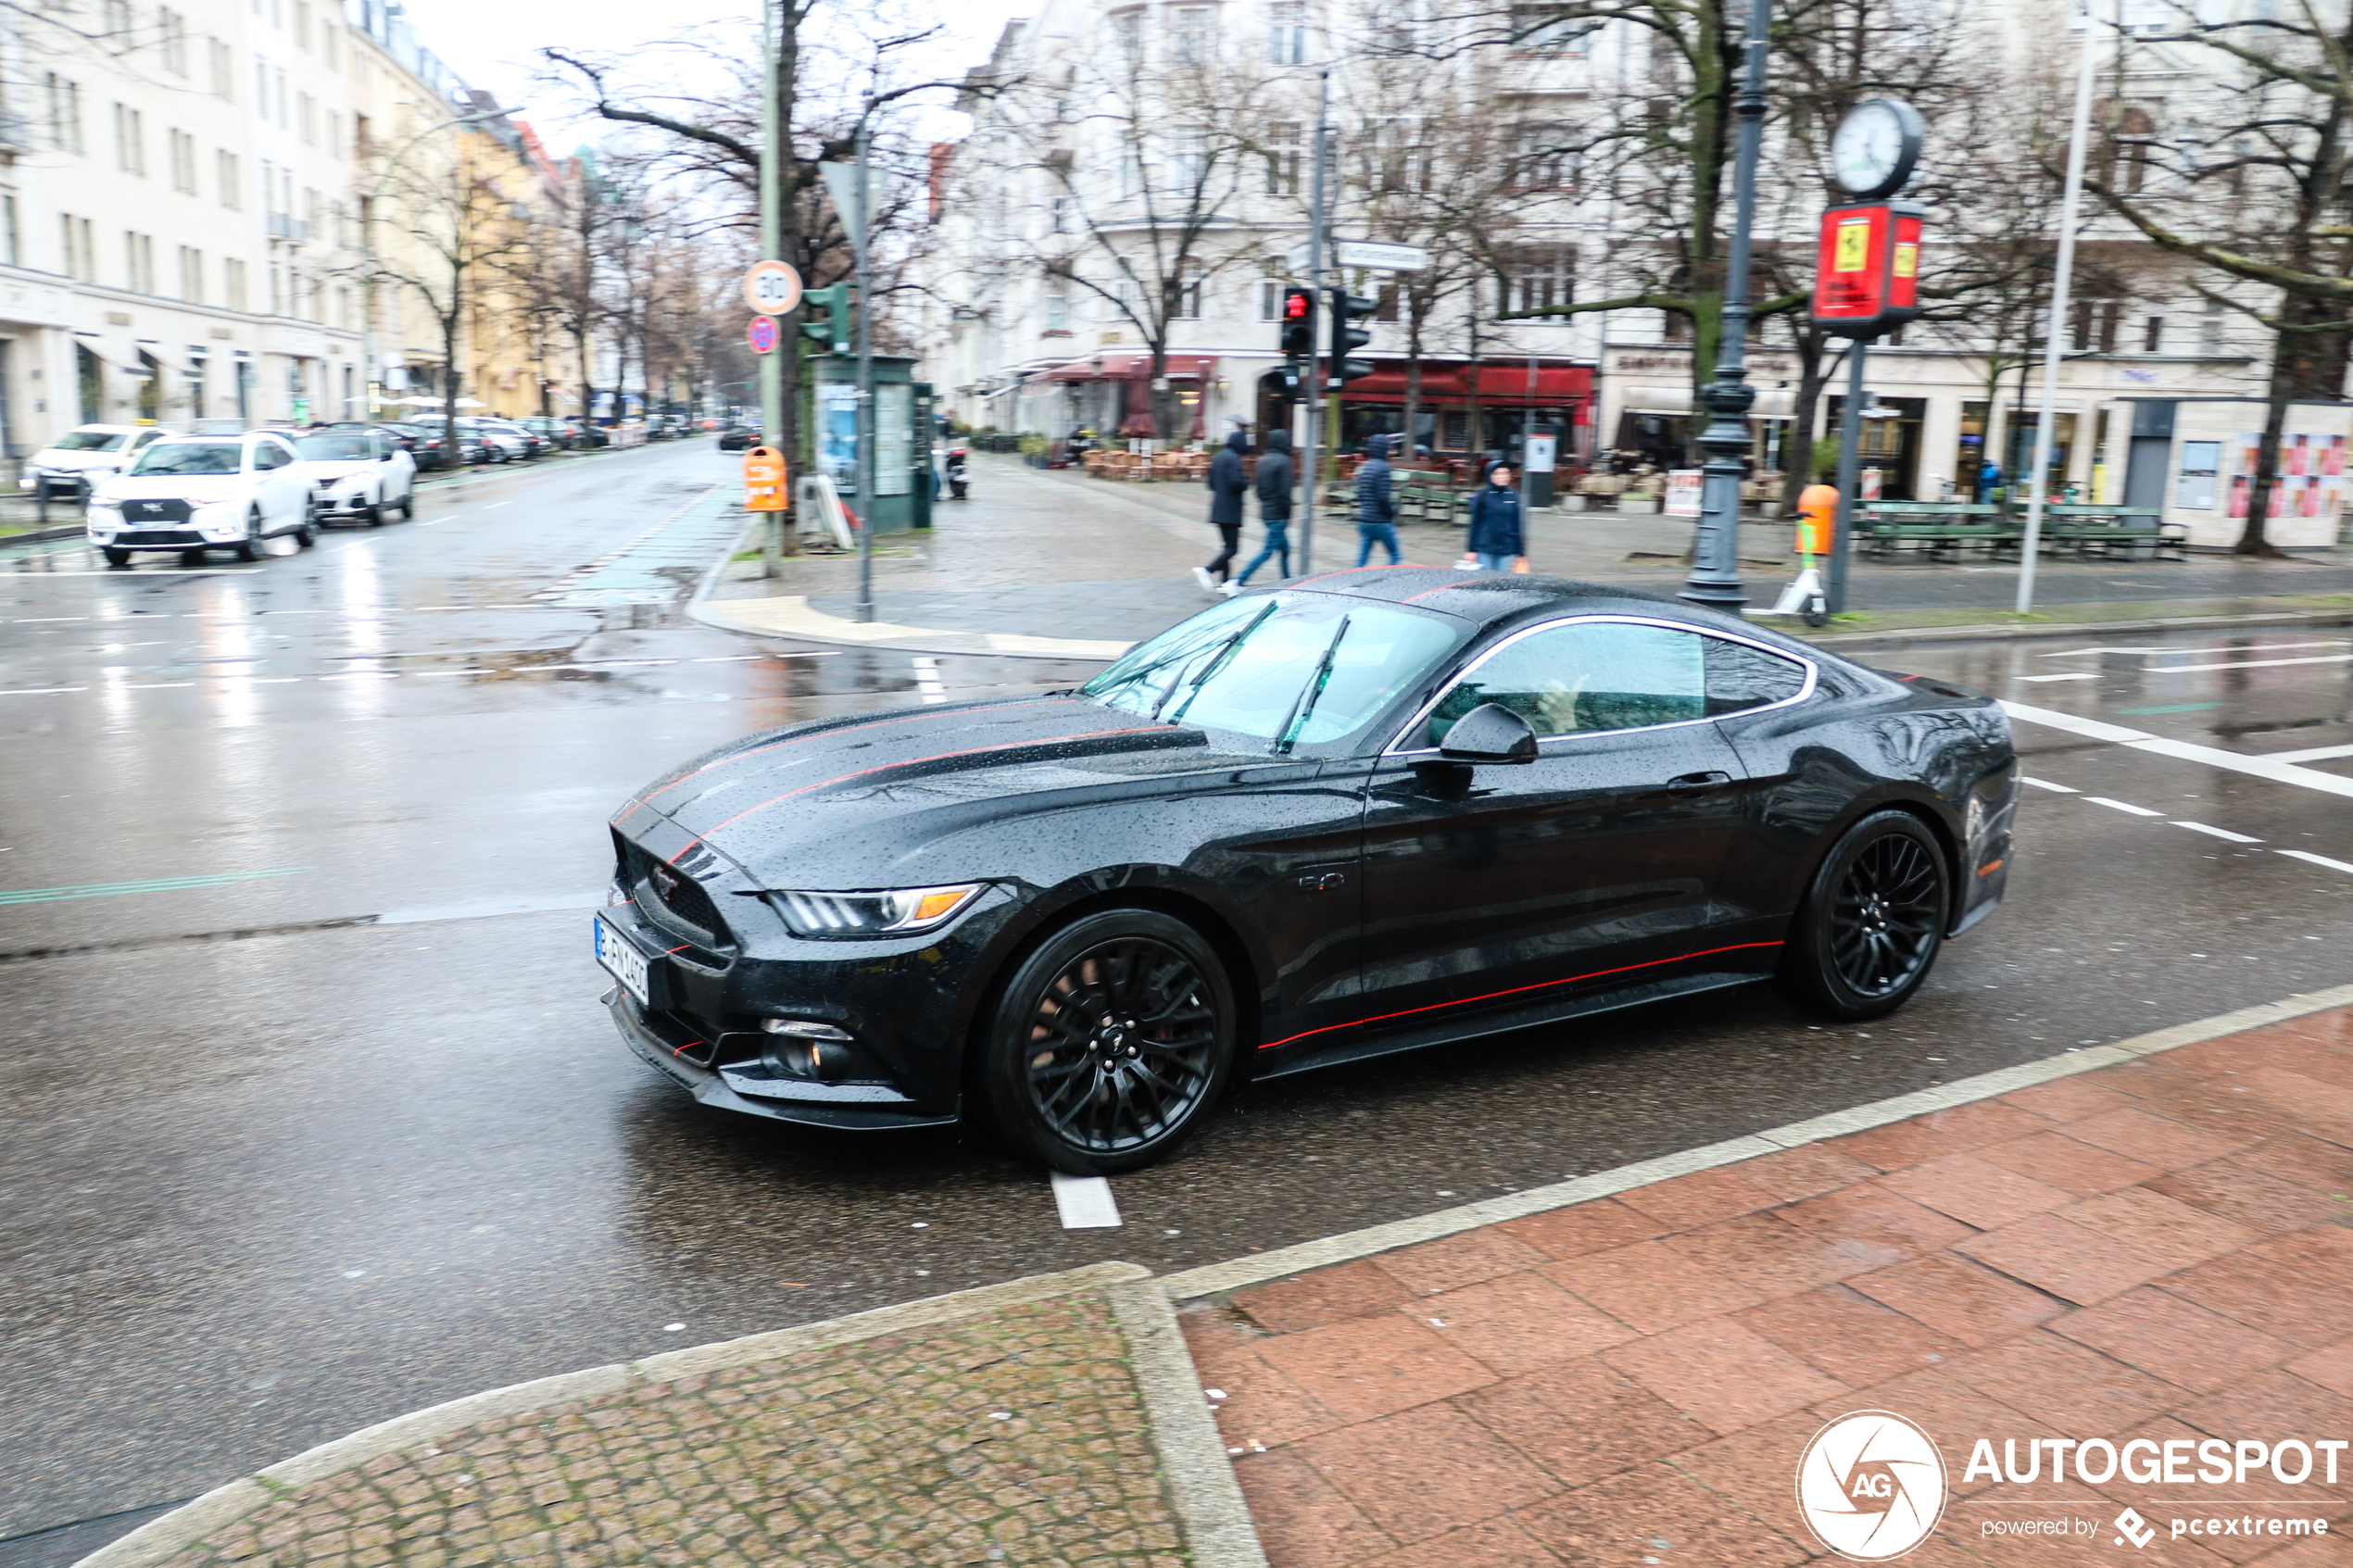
[(181, 191), (1073, 171)]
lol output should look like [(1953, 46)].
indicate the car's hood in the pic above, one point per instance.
[(340, 467), (198, 488), (838, 795), (56, 458)]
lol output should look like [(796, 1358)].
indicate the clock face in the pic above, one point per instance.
[(1874, 147)]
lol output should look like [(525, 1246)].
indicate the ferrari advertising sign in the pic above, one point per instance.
[(1867, 270)]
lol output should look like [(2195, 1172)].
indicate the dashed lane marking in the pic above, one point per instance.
[(2212, 830), (927, 680), (2315, 860), (43, 691), (2039, 678), (150, 884), (2054, 788), (2318, 753), (2239, 664), (1085, 1203), (2146, 652), (2122, 806)]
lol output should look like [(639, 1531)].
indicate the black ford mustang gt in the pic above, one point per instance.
[(1371, 811)]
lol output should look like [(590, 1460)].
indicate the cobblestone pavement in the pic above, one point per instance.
[(2161, 1249), (1017, 1438)]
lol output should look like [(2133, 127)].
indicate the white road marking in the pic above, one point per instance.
[(2318, 753), (927, 680), (2217, 832), (43, 691), (727, 658), (2175, 653), (38, 620), (2039, 678), (2046, 783), (361, 675), (157, 686), (133, 576), (2141, 740), (2315, 860), (2244, 664), (2122, 806), (1085, 1203), (496, 504)]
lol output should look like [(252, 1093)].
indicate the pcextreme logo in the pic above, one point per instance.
[(1872, 1485)]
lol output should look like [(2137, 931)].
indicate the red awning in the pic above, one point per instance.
[(1501, 384), (1126, 364)]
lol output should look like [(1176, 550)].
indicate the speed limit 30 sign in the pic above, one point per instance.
[(772, 288)]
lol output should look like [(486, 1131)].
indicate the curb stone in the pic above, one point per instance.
[(1215, 1279), (1200, 1486)]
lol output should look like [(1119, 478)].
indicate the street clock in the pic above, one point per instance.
[(1875, 147)]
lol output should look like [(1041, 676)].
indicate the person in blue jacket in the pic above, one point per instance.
[(1375, 509), (1498, 540)]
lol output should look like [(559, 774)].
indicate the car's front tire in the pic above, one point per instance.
[(116, 557), (249, 547), (1873, 923), (1108, 1043)]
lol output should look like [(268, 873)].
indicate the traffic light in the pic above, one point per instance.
[(1346, 310), (832, 328), (1299, 324)]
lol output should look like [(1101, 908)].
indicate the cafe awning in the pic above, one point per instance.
[(1501, 384), (1133, 364), (1772, 402)]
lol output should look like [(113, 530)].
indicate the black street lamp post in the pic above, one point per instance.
[(1715, 578)]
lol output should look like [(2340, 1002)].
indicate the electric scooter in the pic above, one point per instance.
[(959, 487)]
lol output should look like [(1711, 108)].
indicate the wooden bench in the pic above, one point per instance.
[(1940, 528), (2081, 529)]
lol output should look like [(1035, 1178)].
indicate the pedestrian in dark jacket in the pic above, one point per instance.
[(1275, 476), (1497, 541), (1227, 485), (1375, 509)]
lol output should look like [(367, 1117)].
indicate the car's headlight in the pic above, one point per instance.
[(893, 912)]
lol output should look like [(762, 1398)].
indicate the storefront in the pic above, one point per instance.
[(1111, 394), (1508, 398)]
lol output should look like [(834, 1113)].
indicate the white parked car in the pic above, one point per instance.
[(358, 475), (499, 444), (83, 456), (198, 492)]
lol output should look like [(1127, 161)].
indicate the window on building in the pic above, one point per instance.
[(1128, 37), (1287, 32), (139, 262), (130, 140), (1188, 159), (306, 117), (285, 120), (1270, 299), (1058, 308), (2152, 336), (262, 86), (1551, 32), (1285, 140), (117, 15), (1535, 278), (2096, 324), (224, 68), (11, 245), (1192, 38), (184, 161), (76, 259), (1543, 160), (1063, 214), (1188, 296), (232, 280), (171, 30), (1385, 302), (2210, 328), (302, 23), (231, 186), (192, 274)]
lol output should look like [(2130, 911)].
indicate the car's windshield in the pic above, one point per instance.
[(90, 441), (1291, 670), (190, 456), (332, 448)]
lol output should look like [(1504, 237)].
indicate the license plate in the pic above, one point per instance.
[(624, 962)]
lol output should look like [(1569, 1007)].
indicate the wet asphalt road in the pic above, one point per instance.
[(384, 1151)]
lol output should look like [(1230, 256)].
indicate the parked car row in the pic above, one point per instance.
[(191, 494)]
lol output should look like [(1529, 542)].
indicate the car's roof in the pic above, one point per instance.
[(127, 429), (1490, 598)]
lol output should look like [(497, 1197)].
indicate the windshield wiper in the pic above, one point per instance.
[(1304, 703), (1217, 663)]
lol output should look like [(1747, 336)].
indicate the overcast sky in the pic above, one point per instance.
[(495, 46)]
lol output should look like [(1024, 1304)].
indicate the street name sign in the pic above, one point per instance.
[(1372, 255)]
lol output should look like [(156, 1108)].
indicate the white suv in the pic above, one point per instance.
[(84, 454), (195, 493)]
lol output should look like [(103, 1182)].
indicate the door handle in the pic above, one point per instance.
[(1693, 783)]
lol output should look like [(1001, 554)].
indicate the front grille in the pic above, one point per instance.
[(682, 905), (159, 536), (144, 512)]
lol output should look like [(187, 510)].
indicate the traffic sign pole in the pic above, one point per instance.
[(771, 240)]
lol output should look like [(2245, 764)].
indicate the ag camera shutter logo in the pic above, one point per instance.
[(1872, 1485)]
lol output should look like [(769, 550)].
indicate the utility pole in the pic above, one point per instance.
[(771, 232), (1850, 459), (1315, 293), (2061, 282), (866, 497), (1715, 580)]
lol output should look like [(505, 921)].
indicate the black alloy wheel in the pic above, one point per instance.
[(1873, 920), (1110, 1043)]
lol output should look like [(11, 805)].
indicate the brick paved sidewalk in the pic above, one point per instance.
[(2162, 1249), (1021, 1433)]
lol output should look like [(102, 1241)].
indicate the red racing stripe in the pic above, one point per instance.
[(1540, 985)]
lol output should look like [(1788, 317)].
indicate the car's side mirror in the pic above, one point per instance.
[(1489, 733)]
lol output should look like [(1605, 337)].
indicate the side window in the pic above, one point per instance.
[(1591, 677), (267, 455), (1741, 677), (378, 448)]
